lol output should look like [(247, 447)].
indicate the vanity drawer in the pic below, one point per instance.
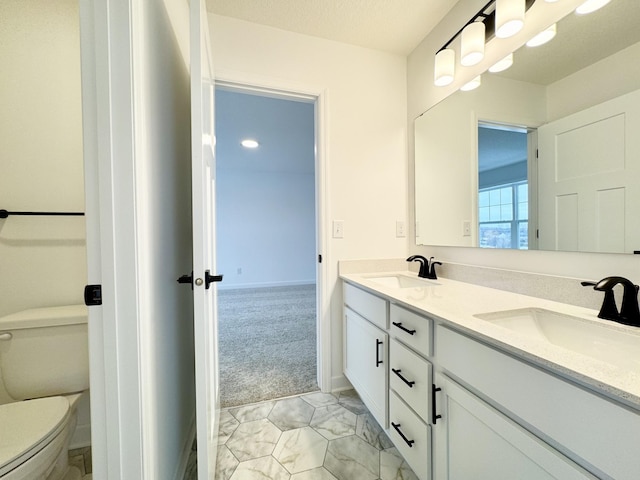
[(415, 447), (412, 329), (367, 305), (410, 377)]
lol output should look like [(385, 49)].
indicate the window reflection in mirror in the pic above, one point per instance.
[(503, 189)]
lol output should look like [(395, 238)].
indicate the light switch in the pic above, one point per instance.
[(338, 229)]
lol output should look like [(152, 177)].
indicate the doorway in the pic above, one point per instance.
[(266, 245), (504, 186)]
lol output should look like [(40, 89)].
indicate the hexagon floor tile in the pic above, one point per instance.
[(316, 436)]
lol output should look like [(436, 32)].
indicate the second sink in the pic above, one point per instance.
[(608, 343)]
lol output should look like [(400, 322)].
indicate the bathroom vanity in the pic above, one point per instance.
[(471, 382)]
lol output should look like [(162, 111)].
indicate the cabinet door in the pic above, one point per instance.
[(474, 441), (365, 363)]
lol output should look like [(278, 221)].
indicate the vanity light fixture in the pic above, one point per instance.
[(249, 143), (502, 65), (591, 6), (543, 37), (509, 17), (472, 85), (444, 67), (472, 44)]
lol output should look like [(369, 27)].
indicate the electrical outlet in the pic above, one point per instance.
[(239, 270), (466, 229), (338, 229), (400, 229)]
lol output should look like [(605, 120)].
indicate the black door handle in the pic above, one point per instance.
[(401, 327), (378, 361), (434, 414), (399, 374), (188, 278), (396, 427), (209, 279)]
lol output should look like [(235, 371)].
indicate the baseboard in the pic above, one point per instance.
[(340, 383), (292, 283), (186, 451)]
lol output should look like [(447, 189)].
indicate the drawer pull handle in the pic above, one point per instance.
[(396, 426), (401, 327), (6, 336), (378, 361), (434, 416), (397, 372)]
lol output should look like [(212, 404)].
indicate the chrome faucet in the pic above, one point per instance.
[(629, 313), (427, 267)]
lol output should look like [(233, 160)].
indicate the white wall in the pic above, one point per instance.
[(42, 259), (265, 226), (365, 138), (422, 94)]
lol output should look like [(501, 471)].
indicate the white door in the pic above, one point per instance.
[(589, 172), (204, 274)]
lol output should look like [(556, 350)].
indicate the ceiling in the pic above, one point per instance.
[(394, 26), (284, 128)]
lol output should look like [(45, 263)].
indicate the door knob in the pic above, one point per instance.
[(186, 279), (209, 279)]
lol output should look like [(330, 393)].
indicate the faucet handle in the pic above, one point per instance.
[(432, 269), (609, 309)]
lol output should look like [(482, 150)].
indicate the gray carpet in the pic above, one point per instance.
[(267, 343)]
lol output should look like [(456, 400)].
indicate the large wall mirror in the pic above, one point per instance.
[(544, 155)]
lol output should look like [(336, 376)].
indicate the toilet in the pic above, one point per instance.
[(44, 367)]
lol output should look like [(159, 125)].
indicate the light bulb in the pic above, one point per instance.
[(502, 65), (472, 85), (543, 37), (445, 65), (591, 6), (472, 44), (509, 17)]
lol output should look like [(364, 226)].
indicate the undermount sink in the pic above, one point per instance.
[(402, 281), (608, 343)]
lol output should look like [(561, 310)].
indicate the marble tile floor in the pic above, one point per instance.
[(314, 436), (81, 459)]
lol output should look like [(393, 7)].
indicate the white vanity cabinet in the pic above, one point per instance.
[(460, 406), (538, 425), (366, 349), (472, 441)]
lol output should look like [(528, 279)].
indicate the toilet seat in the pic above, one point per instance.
[(29, 426)]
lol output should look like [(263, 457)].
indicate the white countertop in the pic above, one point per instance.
[(455, 303)]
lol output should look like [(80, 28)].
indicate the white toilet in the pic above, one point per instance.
[(44, 366)]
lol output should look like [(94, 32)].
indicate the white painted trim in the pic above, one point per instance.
[(108, 124), (293, 283), (242, 81)]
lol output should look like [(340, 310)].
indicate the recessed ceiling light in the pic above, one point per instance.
[(248, 143)]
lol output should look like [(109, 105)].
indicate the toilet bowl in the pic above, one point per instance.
[(44, 368), (35, 439)]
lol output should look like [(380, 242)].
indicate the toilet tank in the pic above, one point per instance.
[(44, 352)]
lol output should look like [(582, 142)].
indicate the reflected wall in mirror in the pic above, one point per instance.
[(576, 100)]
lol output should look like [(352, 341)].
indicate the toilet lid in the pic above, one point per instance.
[(27, 426)]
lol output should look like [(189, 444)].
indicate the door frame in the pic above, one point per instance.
[(243, 83)]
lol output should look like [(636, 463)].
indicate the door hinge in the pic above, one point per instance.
[(537, 233), (92, 295), (319, 258)]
